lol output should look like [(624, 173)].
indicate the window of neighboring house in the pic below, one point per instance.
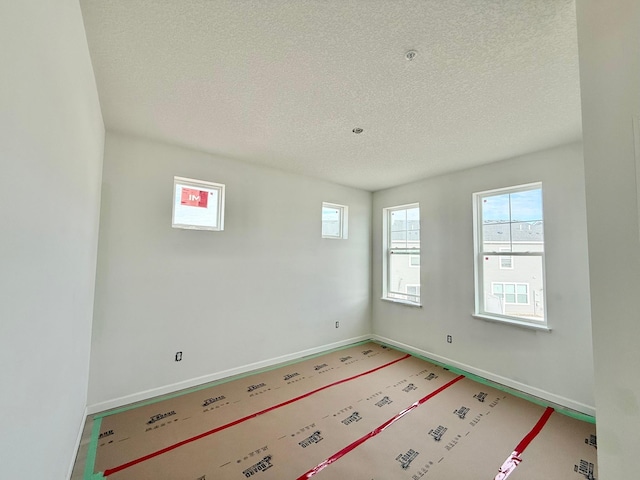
[(511, 293), (509, 255), (506, 262), (197, 205), (334, 220), (401, 263), (413, 291)]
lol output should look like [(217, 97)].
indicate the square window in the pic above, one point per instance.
[(197, 205), (334, 220)]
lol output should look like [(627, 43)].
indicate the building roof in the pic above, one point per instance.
[(515, 232)]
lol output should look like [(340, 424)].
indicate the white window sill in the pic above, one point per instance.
[(515, 323), (401, 302)]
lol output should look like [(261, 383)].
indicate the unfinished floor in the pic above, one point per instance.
[(367, 411)]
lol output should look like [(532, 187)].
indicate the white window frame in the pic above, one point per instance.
[(206, 186), (479, 255), (387, 292), (343, 221), (411, 264)]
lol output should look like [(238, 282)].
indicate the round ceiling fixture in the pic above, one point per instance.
[(357, 130), (410, 55)]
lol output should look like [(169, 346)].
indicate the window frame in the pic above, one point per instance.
[(480, 310), (343, 222), (387, 292)]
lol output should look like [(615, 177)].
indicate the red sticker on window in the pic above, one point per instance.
[(194, 198)]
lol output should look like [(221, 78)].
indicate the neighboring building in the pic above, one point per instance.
[(514, 284)]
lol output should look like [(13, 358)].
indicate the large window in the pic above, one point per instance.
[(509, 253), (402, 254)]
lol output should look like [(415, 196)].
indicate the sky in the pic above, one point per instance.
[(525, 206)]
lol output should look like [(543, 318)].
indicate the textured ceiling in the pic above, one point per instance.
[(283, 83)]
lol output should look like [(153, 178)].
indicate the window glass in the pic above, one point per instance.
[(197, 204), (334, 220), (510, 254), (402, 254)]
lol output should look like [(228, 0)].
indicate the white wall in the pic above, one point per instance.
[(558, 364), (51, 144), (265, 287), (609, 44)]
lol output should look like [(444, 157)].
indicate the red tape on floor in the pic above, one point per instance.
[(514, 459), (336, 456), (111, 471)]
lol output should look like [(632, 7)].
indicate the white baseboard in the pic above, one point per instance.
[(76, 448), (536, 392), (168, 389), (193, 382)]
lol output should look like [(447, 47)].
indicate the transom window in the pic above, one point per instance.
[(334, 220), (197, 204), (402, 254), (509, 255)]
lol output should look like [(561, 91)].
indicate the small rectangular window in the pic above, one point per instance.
[(334, 220), (506, 262), (509, 253), (197, 205), (401, 263)]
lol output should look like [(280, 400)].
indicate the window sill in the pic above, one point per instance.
[(515, 323), (401, 302)]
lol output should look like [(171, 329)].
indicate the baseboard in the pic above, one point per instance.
[(76, 447), (168, 389), (536, 392), (193, 382)]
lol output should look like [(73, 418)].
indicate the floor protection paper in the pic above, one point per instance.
[(365, 412)]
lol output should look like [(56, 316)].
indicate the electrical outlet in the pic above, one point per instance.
[(178, 356), (337, 324), (449, 339)]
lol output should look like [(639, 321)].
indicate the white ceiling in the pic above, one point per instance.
[(284, 82)]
